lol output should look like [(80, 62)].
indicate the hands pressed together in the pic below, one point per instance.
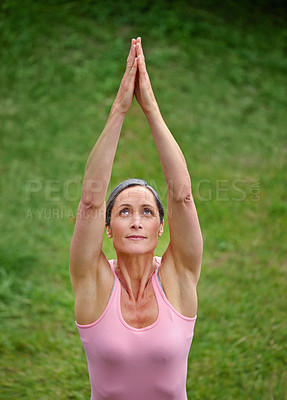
[(135, 82)]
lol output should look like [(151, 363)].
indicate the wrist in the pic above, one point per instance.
[(118, 110), (152, 111)]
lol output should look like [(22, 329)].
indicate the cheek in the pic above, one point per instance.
[(154, 227), (118, 226)]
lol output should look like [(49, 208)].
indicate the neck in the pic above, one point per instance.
[(135, 272)]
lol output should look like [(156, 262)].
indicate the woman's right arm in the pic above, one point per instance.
[(86, 256), (87, 239)]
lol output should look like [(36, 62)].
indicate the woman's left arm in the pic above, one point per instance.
[(185, 246), (185, 234)]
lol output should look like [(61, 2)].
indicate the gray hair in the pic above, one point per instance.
[(127, 184)]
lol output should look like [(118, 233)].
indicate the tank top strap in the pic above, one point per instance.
[(111, 262), (156, 276), (116, 282), (158, 261)]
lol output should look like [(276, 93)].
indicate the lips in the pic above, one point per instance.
[(136, 237)]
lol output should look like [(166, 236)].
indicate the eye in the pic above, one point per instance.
[(147, 211), (124, 211)]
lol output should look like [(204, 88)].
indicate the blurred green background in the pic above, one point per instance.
[(218, 69)]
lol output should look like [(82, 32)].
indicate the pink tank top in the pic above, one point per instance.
[(126, 363)]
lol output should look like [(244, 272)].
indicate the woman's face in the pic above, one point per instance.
[(135, 223)]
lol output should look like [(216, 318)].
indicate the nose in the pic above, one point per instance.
[(136, 222)]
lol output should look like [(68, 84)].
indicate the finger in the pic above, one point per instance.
[(139, 47), (141, 65), (132, 54), (133, 70), (134, 67), (139, 50), (131, 58), (130, 49)]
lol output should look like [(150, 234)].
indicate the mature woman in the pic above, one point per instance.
[(136, 314)]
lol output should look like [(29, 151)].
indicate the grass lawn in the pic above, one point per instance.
[(219, 75)]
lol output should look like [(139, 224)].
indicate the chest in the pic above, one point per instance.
[(141, 313)]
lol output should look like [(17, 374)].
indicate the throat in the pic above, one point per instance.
[(138, 293), (142, 312), (137, 290)]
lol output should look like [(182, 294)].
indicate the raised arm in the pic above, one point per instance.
[(185, 248), (86, 255)]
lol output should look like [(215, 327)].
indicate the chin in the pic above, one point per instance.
[(135, 249)]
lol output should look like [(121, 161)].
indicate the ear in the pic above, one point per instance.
[(109, 231), (160, 229)]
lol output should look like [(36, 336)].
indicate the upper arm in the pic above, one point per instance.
[(185, 234), (86, 244)]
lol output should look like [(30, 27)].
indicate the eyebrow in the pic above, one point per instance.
[(142, 205)]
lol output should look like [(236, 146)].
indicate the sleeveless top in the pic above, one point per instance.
[(127, 363)]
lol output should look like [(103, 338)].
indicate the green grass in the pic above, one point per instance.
[(219, 75)]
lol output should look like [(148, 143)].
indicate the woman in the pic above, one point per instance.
[(136, 314)]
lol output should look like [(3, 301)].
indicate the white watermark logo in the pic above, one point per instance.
[(58, 199)]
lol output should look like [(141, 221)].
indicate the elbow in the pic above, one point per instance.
[(93, 193), (179, 190), (188, 198), (90, 200), (182, 195)]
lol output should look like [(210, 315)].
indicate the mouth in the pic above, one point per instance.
[(136, 237)]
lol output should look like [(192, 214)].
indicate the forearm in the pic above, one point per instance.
[(100, 162), (172, 160)]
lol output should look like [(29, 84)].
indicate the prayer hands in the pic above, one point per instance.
[(135, 81)]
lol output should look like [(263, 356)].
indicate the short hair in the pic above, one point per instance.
[(127, 184)]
